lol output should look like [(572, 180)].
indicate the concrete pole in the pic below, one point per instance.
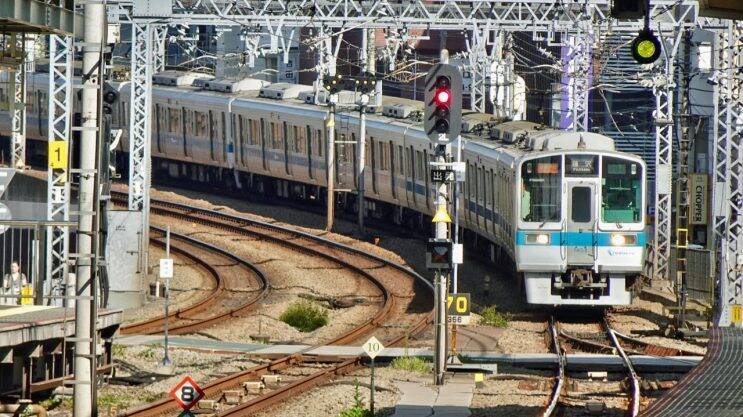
[(361, 144), (331, 163), (83, 389)]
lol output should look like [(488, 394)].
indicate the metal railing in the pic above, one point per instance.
[(23, 261)]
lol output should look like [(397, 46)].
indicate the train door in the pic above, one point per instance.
[(410, 177), (580, 236), (424, 172), (263, 145), (158, 125), (308, 138), (393, 170), (285, 133), (185, 123)]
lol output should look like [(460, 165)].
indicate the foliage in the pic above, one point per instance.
[(411, 364), (52, 402), (305, 316), (118, 350), (492, 317), (358, 409), (148, 352)]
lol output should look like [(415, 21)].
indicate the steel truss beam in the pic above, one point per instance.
[(18, 118), (663, 89), (58, 186), (538, 15), (728, 173), (579, 76), (139, 131), (160, 33)]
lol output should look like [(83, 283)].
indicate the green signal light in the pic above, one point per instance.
[(646, 47)]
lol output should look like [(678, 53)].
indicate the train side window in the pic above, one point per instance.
[(211, 136), (320, 142), (401, 156), (224, 136), (174, 120), (411, 166)]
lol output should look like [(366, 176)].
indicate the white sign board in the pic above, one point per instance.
[(458, 320), (166, 268), (373, 347)]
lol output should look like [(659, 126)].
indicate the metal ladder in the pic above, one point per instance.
[(345, 154)]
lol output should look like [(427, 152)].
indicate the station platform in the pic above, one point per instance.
[(35, 351), (714, 388)]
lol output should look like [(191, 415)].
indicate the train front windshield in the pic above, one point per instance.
[(621, 190), (541, 189)]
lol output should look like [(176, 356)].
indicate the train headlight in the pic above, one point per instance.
[(538, 239), (623, 240)]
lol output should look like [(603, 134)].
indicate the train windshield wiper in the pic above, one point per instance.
[(619, 226)]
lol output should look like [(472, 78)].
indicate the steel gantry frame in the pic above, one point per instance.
[(539, 16), (663, 90), (59, 119), (18, 118), (140, 132), (728, 169)]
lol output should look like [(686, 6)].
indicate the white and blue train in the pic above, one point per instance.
[(566, 207)]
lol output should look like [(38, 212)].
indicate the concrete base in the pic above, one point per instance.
[(121, 300)]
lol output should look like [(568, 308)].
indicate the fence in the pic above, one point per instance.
[(700, 275), (20, 263), (23, 254)]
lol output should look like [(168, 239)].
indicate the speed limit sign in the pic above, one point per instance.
[(187, 393), (373, 347), (458, 309)]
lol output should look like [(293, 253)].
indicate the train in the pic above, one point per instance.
[(566, 207)]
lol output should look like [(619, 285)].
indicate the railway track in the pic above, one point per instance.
[(406, 309), (232, 295), (559, 389)]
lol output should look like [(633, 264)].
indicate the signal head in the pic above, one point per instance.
[(646, 48)]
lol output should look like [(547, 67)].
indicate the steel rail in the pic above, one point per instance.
[(559, 384), (154, 325), (634, 406), (243, 225)]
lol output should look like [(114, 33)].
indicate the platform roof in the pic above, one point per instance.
[(39, 16)]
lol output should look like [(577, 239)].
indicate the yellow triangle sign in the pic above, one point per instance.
[(441, 216)]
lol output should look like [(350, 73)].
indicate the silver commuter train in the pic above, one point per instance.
[(566, 207)]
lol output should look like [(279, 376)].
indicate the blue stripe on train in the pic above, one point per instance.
[(580, 238)]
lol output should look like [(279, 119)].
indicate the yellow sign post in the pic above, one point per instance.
[(58, 154)]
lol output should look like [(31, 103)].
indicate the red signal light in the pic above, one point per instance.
[(443, 96)]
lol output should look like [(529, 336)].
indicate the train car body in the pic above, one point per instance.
[(566, 207)]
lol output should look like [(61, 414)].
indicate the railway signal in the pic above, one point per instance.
[(646, 48), (443, 111), (629, 9), (333, 83)]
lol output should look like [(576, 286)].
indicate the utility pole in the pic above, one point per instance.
[(367, 68), (330, 124), (89, 136)]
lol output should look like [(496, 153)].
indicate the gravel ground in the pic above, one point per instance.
[(141, 361), (524, 334), (290, 275), (506, 396), (332, 398)]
